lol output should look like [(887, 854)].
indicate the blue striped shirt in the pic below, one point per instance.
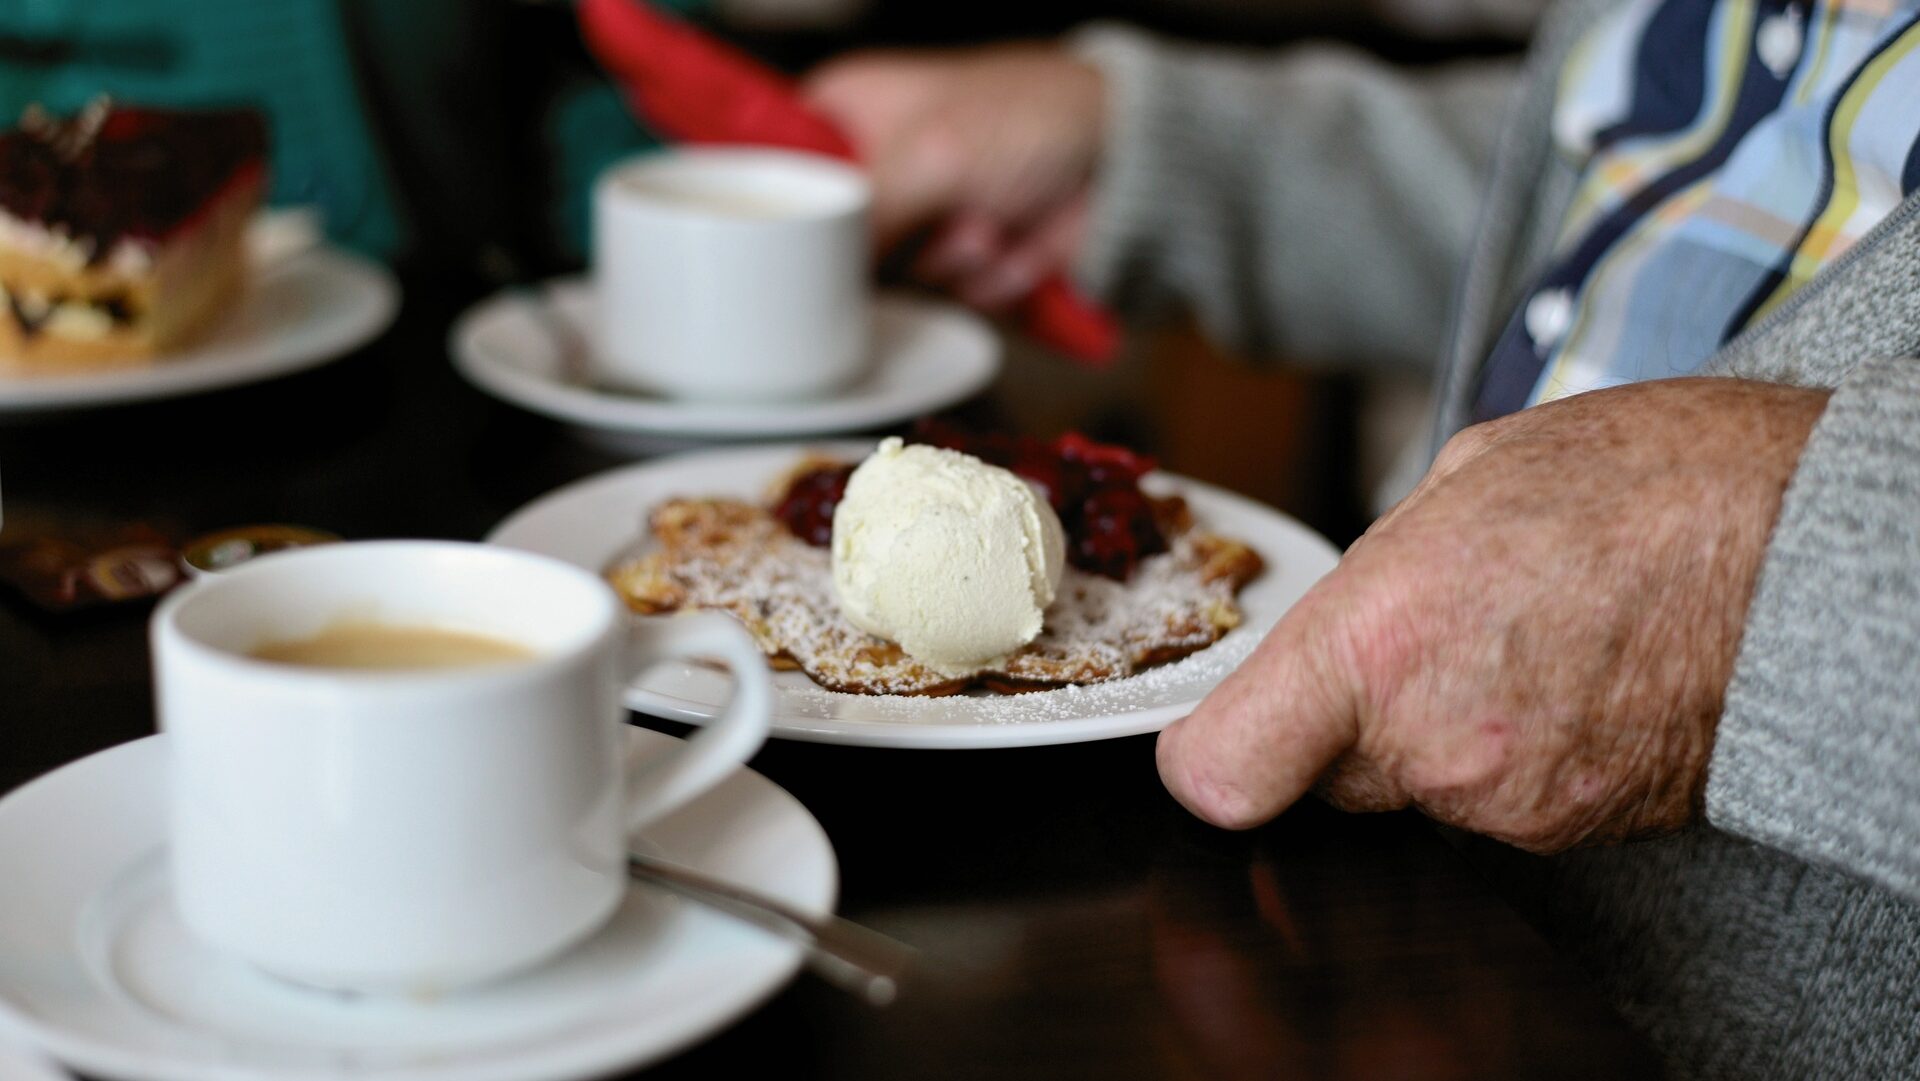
[(1727, 150)]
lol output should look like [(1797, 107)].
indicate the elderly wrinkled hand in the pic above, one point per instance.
[(1533, 645)]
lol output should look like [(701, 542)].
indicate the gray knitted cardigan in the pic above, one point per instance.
[(1315, 202)]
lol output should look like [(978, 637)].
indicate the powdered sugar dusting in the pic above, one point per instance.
[(1187, 679), (594, 523), (736, 557)]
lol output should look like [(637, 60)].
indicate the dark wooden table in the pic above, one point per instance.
[(1076, 922)]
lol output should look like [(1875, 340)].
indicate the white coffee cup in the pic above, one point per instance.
[(731, 274), (416, 830)]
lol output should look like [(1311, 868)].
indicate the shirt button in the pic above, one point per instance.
[(1548, 316), (1779, 41)]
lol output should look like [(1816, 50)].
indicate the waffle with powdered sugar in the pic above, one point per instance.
[(736, 556)]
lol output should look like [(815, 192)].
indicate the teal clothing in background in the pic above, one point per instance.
[(436, 130), (588, 129), (287, 57)]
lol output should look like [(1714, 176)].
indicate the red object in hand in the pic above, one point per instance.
[(697, 88)]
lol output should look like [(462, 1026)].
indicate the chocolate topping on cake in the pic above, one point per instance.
[(113, 172)]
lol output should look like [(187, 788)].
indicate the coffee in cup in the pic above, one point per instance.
[(366, 644), (420, 826), (731, 274)]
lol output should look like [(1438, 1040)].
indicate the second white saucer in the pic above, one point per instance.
[(97, 971), (928, 354)]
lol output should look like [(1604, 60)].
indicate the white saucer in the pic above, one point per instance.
[(593, 521), (96, 970), (928, 354), (312, 308)]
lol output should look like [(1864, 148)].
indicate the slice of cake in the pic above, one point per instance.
[(121, 231)]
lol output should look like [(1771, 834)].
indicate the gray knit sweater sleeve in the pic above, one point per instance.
[(1311, 202), (1818, 752)]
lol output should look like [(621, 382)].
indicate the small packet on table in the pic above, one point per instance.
[(72, 567)]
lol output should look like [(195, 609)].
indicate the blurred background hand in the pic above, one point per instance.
[(982, 158)]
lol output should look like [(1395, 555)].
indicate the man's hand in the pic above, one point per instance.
[(990, 149), (1535, 643)]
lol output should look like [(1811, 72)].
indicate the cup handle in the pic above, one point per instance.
[(661, 784)]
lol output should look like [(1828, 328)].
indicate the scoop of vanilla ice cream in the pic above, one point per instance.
[(951, 558)]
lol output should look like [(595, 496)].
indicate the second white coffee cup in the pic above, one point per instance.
[(419, 829), (731, 274)]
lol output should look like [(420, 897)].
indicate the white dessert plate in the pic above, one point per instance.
[(591, 522), (928, 354), (300, 313), (97, 971)]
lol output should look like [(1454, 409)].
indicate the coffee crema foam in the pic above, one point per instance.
[(716, 200), (372, 645)]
